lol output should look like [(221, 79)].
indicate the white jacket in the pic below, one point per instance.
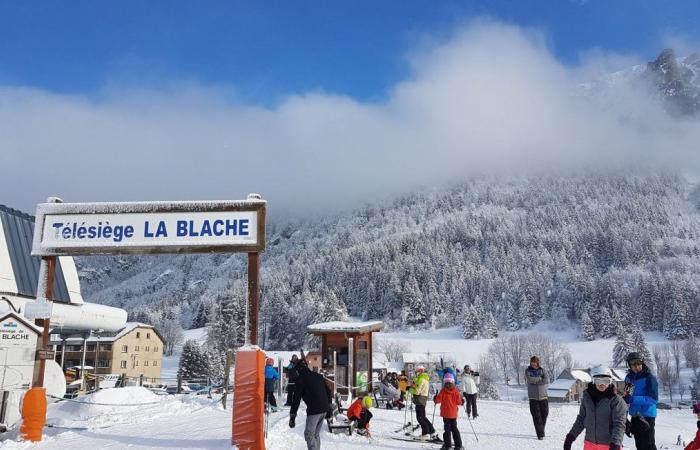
[(470, 383)]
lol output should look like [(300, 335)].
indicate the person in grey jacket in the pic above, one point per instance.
[(537, 381), (602, 414)]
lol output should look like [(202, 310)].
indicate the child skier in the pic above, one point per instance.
[(359, 411), (450, 399), (695, 443), (270, 376), (602, 414)]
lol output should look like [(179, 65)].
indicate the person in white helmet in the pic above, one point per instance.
[(602, 414)]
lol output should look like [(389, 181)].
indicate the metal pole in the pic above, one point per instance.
[(253, 296), (279, 372), (47, 270), (351, 355), (63, 352), (229, 358), (335, 373), (84, 371)]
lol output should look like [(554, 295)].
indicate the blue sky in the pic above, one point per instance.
[(263, 51)]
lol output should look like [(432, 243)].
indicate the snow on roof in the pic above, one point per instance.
[(557, 393), (347, 327), (279, 354), (109, 337), (561, 384), (581, 375)]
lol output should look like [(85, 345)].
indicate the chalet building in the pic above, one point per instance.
[(570, 384), (135, 350)]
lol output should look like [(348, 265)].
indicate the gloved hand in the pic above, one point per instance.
[(615, 447), (639, 424), (628, 428), (568, 441), (292, 424)]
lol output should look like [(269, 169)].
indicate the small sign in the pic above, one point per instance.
[(44, 354), (40, 309)]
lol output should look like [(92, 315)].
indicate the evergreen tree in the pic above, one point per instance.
[(470, 325), (587, 329), (193, 362), (623, 346), (608, 326), (490, 329), (639, 344)]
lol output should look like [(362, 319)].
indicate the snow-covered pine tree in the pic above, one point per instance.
[(623, 346), (470, 325), (490, 328), (587, 328), (512, 316), (639, 344), (608, 324), (417, 312), (678, 322), (193, 362)]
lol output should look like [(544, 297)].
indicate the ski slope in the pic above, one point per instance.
[(195, 422)]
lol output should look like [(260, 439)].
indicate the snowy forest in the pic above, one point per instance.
[(488, 254)]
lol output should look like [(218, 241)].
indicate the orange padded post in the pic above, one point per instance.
[(33, 414), (249, 399)]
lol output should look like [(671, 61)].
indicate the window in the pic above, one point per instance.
[(106, 347), (122, 365), (91, 348), (125, 348), (138, 335), (148, 335), (155, 363), (136, 348), (74, 348), (145, 363), (104, 363), (155, 348), (136, 363)]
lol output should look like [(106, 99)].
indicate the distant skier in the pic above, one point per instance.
[(359, 411), (537, 381), (641, 394), (292, 374), (470, 388), (271, 376), (420, 390), (311, 387), (602, 414), (695, 443), (450, 399)]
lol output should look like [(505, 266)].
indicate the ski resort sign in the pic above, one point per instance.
[(149, 227)]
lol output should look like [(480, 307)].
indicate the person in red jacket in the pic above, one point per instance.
[(359, 412), (450, 399), (695, 443)]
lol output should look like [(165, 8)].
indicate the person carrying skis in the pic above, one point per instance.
[(271, 376), (359, 411), (420, 390), (641, 394), (537, 381), (450, 399), (470, 390), (292, 374), (695, 443), (602, 414), (312, 388)]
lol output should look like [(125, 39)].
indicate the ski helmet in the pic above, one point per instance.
[(633, 357), (601, 375), (367, 401), (269, 361)]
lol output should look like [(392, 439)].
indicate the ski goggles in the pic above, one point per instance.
[(602, 380)]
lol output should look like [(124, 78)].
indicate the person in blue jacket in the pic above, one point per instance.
[(270, 376), (441, 373), (641, 394)]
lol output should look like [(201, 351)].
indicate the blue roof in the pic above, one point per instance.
[(19, 232)]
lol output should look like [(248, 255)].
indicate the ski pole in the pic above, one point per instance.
[(405, 410), (434, 405), (472, 425)]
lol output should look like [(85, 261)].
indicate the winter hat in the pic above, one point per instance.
[(269, 361), (448, 378), (367, 401), (420, 369)]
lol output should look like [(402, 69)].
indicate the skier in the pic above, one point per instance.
[(270, 376), (470, 390), (444, 371), (641, 394), (403, 385), (450, 399), (695, 443), (602, 414), (537, 381), (292, 374), (311, 387), (359, 411), (419, 390)]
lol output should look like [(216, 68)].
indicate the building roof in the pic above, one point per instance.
[(22, 275), (557, 393), (561, 383), (345, 327), (111, 337), (581, 375)]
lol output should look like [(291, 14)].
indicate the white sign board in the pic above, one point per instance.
[(17, 352), (149, 227), (40, 309)]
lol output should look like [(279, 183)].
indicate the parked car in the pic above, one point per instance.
[(661, 405)]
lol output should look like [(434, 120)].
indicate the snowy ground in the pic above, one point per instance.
[(190, 422)]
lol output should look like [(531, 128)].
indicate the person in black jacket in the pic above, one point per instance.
[(292, 374), (312, 388)]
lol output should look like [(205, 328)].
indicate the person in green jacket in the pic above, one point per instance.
[(419, 390)]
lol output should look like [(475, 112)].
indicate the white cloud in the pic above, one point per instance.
[(490, 98)]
